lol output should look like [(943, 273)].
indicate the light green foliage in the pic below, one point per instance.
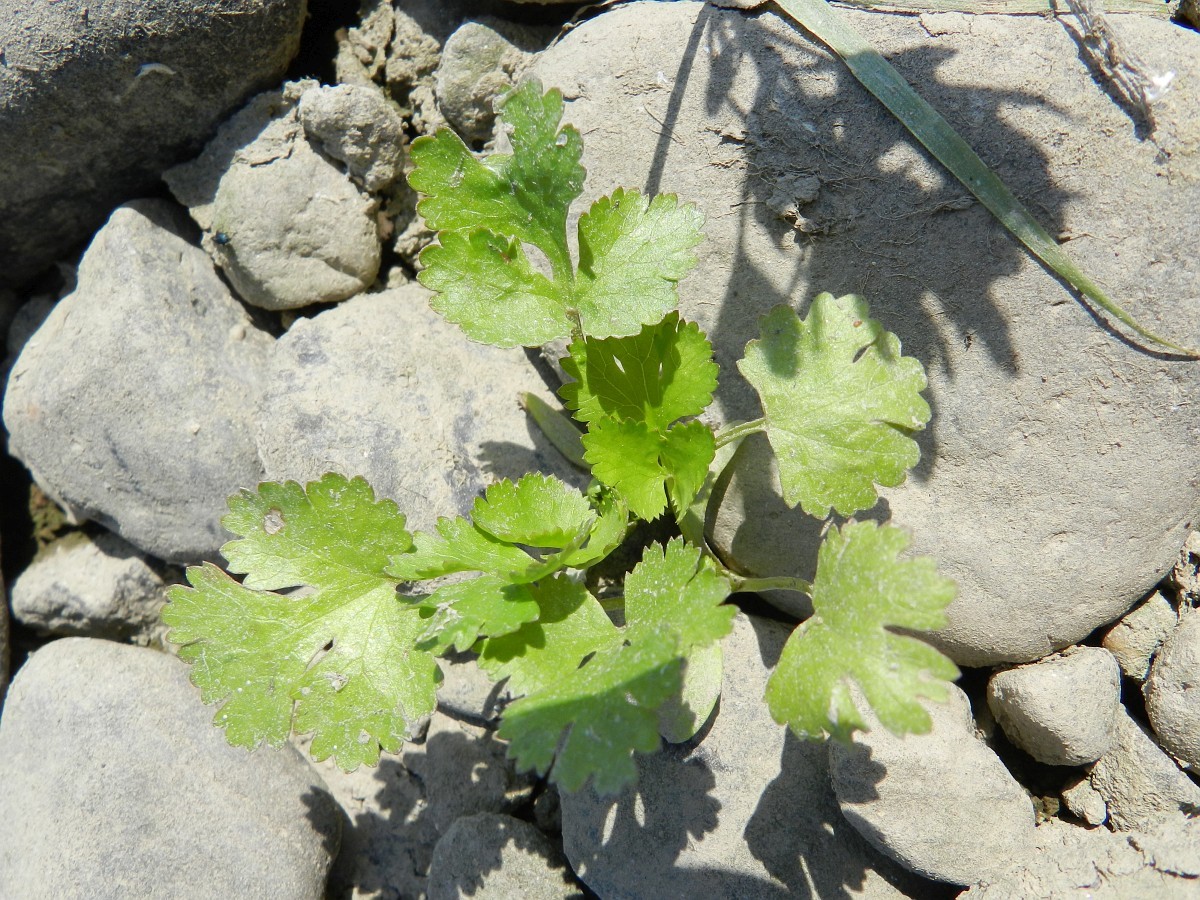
[(861, 592), (538, 511), (589, 721), (632, 391), (840, 402), (338, 662), (352, 661), (571, 625), (633, 250), (663, 373), (599, 712), (460, 612), (523, 196), (676, 588)]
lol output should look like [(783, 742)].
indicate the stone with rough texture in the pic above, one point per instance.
[(494, 857), (745, 811), (5, 649), (388, 836), (96, 587), (1071, 862), (1173, 692), (480, 62), (1059, 473), (1136, 636), (284, 223), (116, 783), (465, 771), (96, 99), (131, 404), (1061, 710), (467, 693), (1085, 801), (1141, 784), (941, 804), (358, 126), (381, 386)]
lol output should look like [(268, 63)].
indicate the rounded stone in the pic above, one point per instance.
[(117, 783), (1173, 692), (1061, 710), (131, 404), (941, 804), (97, 99)]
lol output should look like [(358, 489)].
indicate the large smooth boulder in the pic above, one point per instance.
[(131, 403), (96, 99), (1057, 479), (117, 784)]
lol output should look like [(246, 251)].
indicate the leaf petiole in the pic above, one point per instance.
[(739, 430), (772, 583)]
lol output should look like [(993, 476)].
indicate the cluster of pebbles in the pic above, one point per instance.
[(246, 310)]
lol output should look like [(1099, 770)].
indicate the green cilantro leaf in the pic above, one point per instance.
[(330, 528), (486, 285), (589, 721), (661, 374), (860, 593), (840, 402), (674, 588), (458, 614), (339, 662), (571, 625), (681, 717), (524, 196), (538, 510), (632, 252), (640, 462)]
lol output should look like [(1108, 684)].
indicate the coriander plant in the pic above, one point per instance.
[(354, 661)]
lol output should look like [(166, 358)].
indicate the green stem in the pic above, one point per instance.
[(939, 138), (739, 430)]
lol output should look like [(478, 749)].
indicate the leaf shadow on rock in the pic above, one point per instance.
[(406, 804), (830, 173), (823, 856)]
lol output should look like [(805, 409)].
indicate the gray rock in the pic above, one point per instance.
[(941, 804), (1186, 574), (116, 782), (97, 99), (132, 402), (286, 225), (1061, 710), (1136, 636), (494, 857), (388, 838), (420, 31), (1173, 692), (362, 48), (383, 387), (94, 588), (358, 126), (479, 63), (744, 811), (1141, 785), (1057, 480), (27, 319), (1071, 862), (467, 693), (1085, 801), (465, 771)]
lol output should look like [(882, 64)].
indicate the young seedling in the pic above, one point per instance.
[(354, 661)]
